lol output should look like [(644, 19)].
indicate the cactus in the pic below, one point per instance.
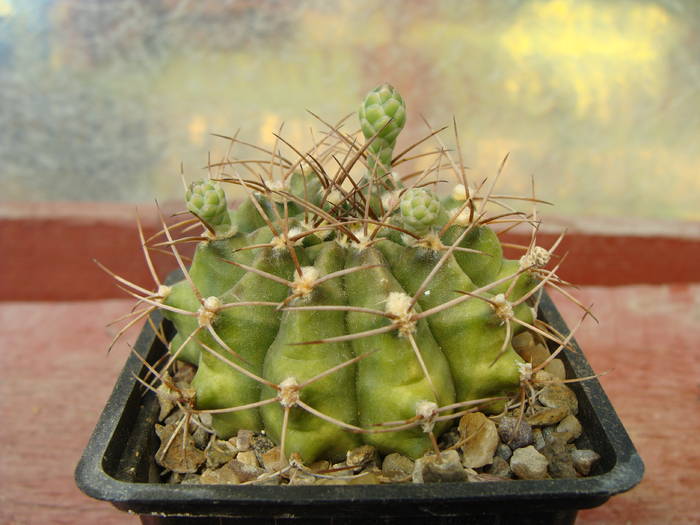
[(331, 310)]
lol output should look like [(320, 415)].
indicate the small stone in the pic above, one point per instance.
[(547, 416), (219, 452), (205, 419), (272, 460), (268, 480), (244, 471), (570, 425), (437, 469), (538, 439), (522, 340), (584, 460), (299, 477), (556, 368), (513, 434), (244, 440), (500, 467), (361, 456), (320, 466), (209, 477), (558, 440), (560, 463), (248, 457), (527, 463), (397, 467), (166, 400), (547, 433), (175, 478), (473, 475), (535, 354), (365, 478), (261, 444), (448, 439), (476, 477), (190, 479), (341, 475), (542, 378), (222, 476), (338, 470), (558, 395), (176, 457), (480, 439), (201, 438), (504, 451), (173, 419)]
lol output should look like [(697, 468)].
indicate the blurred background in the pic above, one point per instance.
[(103, 101)]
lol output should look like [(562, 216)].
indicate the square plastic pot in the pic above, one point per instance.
[(117, 466)]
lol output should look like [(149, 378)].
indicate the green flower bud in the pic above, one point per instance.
[(383, 111), (420, 210), (207, 201), (382, 105)]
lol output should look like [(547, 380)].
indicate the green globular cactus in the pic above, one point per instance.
[(327, 328)]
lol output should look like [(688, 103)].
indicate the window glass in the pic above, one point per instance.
[(597, 100)]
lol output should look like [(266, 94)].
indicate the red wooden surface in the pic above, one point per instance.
[(56, 378), (55, 244), (53, 247), (649, 340)]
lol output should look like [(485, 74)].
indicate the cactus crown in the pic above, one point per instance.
[(332, 308)]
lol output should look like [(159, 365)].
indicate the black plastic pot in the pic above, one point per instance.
[(117, 466)]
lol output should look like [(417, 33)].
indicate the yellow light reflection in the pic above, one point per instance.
[(6, 8), (196, 129), (291, 130), (589, 51)]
